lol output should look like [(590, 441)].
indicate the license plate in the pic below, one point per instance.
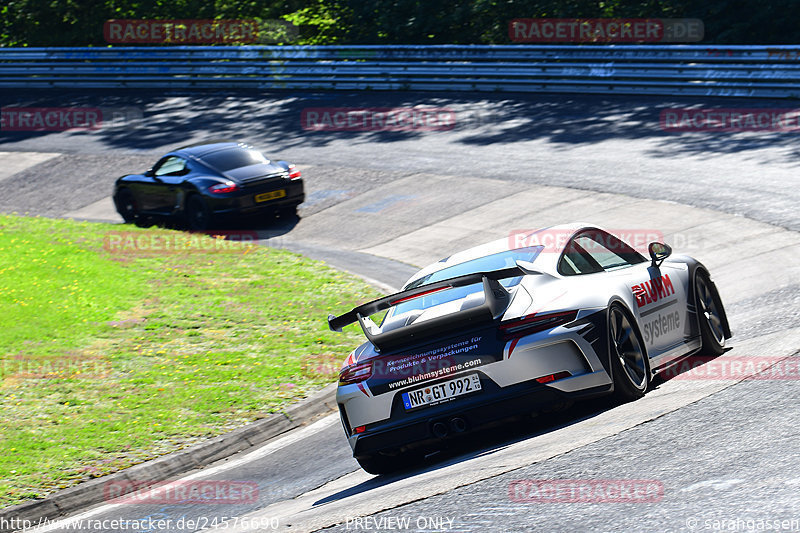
[(267, 196), (440, 392)]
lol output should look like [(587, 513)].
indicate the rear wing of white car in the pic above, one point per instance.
[(496, 300)]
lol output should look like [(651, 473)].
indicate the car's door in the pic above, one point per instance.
[(148, 188), (166, 177), (660, 310)]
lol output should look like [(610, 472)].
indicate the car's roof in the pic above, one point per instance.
[(204, 148), (502, 245)]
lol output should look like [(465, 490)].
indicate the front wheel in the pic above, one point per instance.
[(630, 369), (709, 314), (126, 206)]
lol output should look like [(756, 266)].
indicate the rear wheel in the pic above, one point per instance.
[(709, 314), (126, 206), (198, 215), (629, 366)]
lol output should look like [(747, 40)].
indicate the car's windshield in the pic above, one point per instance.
[(487, 263), (225, 160)]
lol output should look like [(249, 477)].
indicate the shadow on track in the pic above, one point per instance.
[(150, 120), (265, 229), (486, 442)]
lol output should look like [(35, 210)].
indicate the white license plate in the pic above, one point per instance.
[(440, 392)]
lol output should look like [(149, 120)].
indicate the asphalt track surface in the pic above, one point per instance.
[(723, 451)]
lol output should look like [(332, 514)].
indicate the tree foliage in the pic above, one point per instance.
[(80, 22)]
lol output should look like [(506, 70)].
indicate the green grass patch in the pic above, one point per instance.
[(112, 354)]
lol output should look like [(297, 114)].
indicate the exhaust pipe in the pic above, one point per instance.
[(458, 425), (439, 430)]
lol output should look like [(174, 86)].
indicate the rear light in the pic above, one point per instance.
[(355, 373), (294, 173), (222, 188), (535, 323), (553, 377), (359, 429)]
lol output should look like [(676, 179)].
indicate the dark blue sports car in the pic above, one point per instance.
[(203, 184)]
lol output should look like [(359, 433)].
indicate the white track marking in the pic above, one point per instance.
[(716, 484), (271, 447), (13, 162), (99, 211)]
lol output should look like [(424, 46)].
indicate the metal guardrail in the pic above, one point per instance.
[(737, 70)]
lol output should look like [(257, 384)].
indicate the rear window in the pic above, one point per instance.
[(225, 160), (488, 263)]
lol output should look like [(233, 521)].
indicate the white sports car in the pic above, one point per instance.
[(501, 330)]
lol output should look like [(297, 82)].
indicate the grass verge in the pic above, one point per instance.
[(120, 344)]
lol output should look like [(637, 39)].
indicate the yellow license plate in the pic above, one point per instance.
[(272, 195)]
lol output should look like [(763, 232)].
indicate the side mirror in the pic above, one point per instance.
[(658, 252), (149, 173)]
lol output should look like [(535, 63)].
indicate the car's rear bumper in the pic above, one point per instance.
[(503, 363), (244, 202), (267, 207), (478, 412)]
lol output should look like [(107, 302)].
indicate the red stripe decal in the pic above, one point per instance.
[(513, 345)]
